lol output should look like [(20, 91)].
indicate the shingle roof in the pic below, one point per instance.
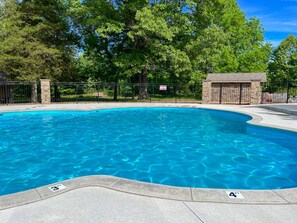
[(236, 77)]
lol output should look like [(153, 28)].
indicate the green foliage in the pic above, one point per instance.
[(283, 65), (242, 49), (35, 40), (206, 50), (252, 53), (130, 40)]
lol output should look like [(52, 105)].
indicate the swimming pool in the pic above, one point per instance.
[(172, 146)]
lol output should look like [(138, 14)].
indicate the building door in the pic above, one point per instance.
[(231, 93)]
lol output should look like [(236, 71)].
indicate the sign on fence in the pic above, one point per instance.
[(163, 88)]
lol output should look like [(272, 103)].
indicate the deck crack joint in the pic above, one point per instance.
[(193, 213)]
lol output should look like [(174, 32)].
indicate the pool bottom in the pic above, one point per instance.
[(288, 194)]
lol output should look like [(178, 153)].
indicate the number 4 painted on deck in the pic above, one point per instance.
[(234, 195)]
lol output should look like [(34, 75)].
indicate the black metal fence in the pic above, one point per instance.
[(62, 92), (124, 92), (279, 92), (19, 92)]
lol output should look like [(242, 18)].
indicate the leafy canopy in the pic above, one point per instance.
[(128, 40), (283, 64)]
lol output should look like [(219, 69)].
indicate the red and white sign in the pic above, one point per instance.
[(163, 88)]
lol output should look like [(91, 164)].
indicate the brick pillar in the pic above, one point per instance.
[(206, 92), (256, 92), (45, 91)]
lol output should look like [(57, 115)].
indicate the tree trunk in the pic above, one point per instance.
[(115, 92), (143, 94)]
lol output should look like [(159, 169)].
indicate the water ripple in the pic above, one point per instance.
[(173, 146)]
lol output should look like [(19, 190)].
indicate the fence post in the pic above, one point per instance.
[(76, 94), (175, 89), (221, 94), (149, 92), (240, 93), (6, 97), (98, 91), (115, 91), (132, 92), (288, 92), (45, 91)]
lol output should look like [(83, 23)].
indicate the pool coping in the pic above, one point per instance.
[(259, 197), (278, 196)]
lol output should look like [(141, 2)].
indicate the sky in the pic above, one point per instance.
[(279, 17)]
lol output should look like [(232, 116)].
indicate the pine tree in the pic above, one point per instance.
[(33, 40)]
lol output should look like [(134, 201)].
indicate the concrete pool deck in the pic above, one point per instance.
[(111, 199), (290, 109)]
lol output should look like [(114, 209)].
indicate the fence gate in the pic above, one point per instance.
[(231, 93)]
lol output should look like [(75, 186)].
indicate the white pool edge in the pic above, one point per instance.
[(279, 196)]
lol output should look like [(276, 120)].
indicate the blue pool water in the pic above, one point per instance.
[(173, 146)]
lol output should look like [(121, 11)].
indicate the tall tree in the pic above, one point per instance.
[(245, 49), (136, 38), (155, 35), (283, 65), (34, 40), (168, 40)]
